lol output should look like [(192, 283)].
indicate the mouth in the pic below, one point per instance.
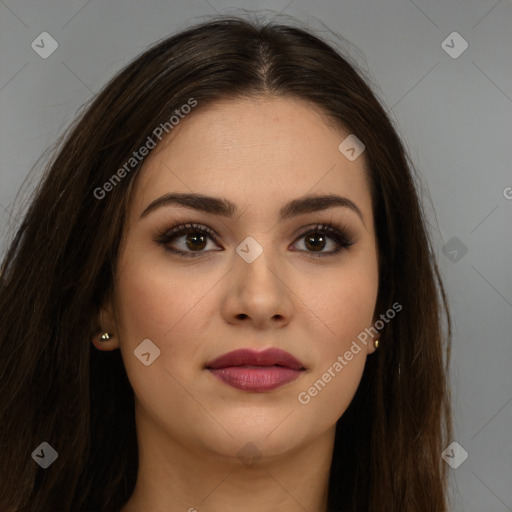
[(257, 372)]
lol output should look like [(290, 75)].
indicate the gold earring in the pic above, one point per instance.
[(376, 344), (106, 336)]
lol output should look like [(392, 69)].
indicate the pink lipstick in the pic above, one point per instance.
[(257, 372)]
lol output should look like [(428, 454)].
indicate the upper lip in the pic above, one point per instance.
[(248, 357)]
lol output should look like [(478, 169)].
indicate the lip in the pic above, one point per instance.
[(254, 371)]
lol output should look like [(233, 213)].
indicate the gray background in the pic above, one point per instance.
[(454, 115)]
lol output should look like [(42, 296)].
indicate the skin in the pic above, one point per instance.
[(259, 153)]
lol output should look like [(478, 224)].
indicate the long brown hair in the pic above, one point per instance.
[(61, 265)]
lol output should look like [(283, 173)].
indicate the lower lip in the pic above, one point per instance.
[(256, 378)]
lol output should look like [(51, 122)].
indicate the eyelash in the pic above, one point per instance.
[(338, 233)]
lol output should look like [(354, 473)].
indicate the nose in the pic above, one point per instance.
[(258, 293)]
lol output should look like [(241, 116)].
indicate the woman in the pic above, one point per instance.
[(223, 295)]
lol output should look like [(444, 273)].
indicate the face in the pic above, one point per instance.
[(256, 278)]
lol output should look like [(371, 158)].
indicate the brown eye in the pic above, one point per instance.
[(317, 239), (195, 239)]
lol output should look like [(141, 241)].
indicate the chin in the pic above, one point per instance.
[(258, 439)]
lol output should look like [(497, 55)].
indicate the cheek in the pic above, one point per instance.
[(166, 308), (346, 306), (156, 302), (326, 395)]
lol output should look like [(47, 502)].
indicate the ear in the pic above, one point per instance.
[(370, 346), (106, 324)]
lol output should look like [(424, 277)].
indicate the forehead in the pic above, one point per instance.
[(257, 152)]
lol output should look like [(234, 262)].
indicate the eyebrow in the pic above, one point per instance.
[(225, 208)]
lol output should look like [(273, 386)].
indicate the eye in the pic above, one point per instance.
[(316, 239), (196, 240), (195, 237)]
